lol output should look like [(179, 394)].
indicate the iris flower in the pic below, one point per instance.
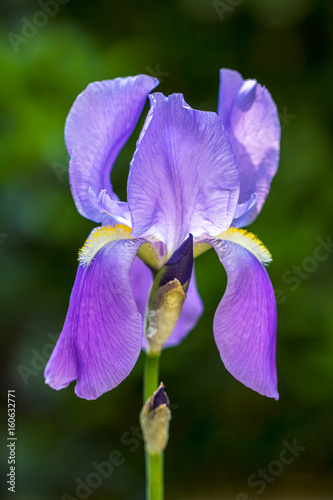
[(193, 173)]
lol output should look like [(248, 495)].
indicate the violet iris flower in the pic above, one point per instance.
[(193, 172)]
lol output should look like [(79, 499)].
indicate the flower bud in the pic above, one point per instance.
[(154, 419), (163, 314), (168, 296), (179, 265)]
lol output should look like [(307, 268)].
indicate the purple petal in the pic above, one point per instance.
[(179, 265), (99, 123), (141, 279), (102, 335), (243, 209), (111, 211), (250, 117), (183, 177), (160, 397), (245, 320)]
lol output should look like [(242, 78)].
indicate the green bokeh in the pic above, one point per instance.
[(221, 432)]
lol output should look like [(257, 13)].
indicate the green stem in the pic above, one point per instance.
[(154, 476), (151, 376), (154, 462)]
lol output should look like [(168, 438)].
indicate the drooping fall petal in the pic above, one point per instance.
[(102, 335), (245, 320)]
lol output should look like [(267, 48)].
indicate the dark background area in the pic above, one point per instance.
[(221, 432)]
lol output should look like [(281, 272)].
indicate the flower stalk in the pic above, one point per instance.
[(155, 476), (154, 461), (154, 419), (165, 305), (151, 375)]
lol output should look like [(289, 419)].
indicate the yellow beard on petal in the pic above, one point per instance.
[(100, 237), (249, 241)]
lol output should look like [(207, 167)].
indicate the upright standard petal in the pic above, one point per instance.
[(250, 117), (245, 320), (99, 123), (183, 177), (102, 335)]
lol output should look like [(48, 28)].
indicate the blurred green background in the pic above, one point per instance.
[(221, 432)]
